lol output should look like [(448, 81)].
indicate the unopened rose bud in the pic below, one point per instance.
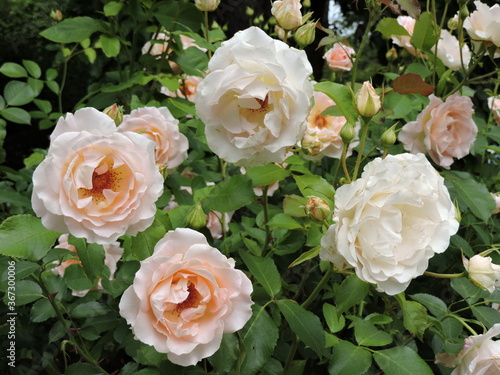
[(206, 5), (464, 12), (347, 133), (311, 144), (305, 34), (280, 32), (317, 209), (453, 23), (367, 100), (249, 12), (388, 137), (162, 168), (392, 54), (196, 218), (482, 271), (115, 112), (287, 13), (458, 214), (56, 15)]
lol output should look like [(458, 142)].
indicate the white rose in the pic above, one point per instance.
[(158, 125), (480, 354), (287, 13), (484, 24), (393, 219), (482, 272), (95, 182), (328, 251), (448, 50), (255, 99)]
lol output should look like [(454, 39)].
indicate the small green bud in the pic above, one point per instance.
[(115, 112), (347, 133), (453, 23), (196, 218), (388, 138), (317, 209), (305, 34), (249, 12)]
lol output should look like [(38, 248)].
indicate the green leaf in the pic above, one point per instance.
[(412, 7), (179, 16), (193, 61), (112, 8), (27, 291), (82, 368), (23, 270), (42, 310), (16, 115), (390, 26), (24, 236), (53, 86), (2, 102), (304, 324), (349, 359), (76, 278), (265, 271), (314, 185), (423, 37), (351, 292), (33, 68), (294, 205), (91, 54), (415, 318), (13, 70), (334, 321), (51, 74), (110, 45), (486, 315), (401, 360), (224, 359), (475, 195), (466, 289), (144, 242), (258, 346), (367, 334), (436, 306), (343, 98), (14, 198), (230, 194), (18, 93), (309, 254), (72, 30), (266, 175), (44, 105), (89, 310), (282, 220), (91, 255)]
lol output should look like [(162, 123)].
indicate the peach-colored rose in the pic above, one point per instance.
[(448, 51), (324, 131), (95, 182), (404, 40), (494, 105), (445, 130), (483, 25), (185, 297), (113, 253), (187, 90), (158, 125), (338, 57)]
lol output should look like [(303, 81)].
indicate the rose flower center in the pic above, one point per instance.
[(104, 177), (320, 122), (192, 300)]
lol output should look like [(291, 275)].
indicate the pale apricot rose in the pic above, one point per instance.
[(444, 130), (96, 183), (185, 297), (158, 125), (187, 89), (339, 57), (324, 131), (483, 25)]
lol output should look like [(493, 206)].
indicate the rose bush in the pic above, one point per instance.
[(185, 297), (382, 216), (444, 129), (95, 182), (255, 99), (158, 125)]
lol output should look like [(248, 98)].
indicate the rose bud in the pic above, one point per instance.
[(287, 13), (317, 209), (206, 5), (367, 101)]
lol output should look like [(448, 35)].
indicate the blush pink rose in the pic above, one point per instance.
[(405, 40), (445, 130), (113, 253), (158, 125), (339, 57), (324, 131), (494, 105), (185, 297), (96, 182)]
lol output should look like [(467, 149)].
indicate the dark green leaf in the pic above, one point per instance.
[(82, 368), (13, 70), (24, 236), (304, 324), (179, 16), (314, 185), (27, 291), (224, 359), (77, 279), (230, 194), (343, 98), (367, 334), (390, 26), (282, 220), (33, 68), (91, 255), (333, 320), (309, 254), (266, 175), (466, 289), (144, 242), (258, 346), (72, 30), (265, 271), (16, 115), (193, 61), (436, 306), (14, 198), (401, 360), (423, 37), (18, 93), (349, 359), (110, 45), (351, 292), (89, 310), (42, 310), (486, 315), (415, 318)]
